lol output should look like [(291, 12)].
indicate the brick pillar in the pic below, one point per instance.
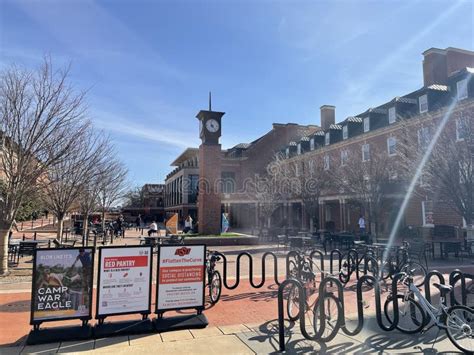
[(209, 200)]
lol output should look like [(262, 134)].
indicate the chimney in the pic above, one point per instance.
[(434, 67), (328, 116), (439, 64)]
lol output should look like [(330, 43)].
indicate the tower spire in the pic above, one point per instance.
[(210, 99)]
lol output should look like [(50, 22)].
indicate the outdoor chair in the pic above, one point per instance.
[(282, 240), (466, 250), (25, 248), (174, 240), (12, 253)]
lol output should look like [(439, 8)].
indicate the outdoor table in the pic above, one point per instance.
[(299, 240), (344, 238), (443, 243)]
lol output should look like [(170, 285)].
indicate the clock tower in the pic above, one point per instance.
[(209, 198)]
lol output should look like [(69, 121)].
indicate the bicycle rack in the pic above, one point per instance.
[(251, 277), (427, 284), (454, 276), (322, 290), (331, 260)]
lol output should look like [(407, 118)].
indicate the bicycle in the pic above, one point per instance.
[(214, 280), (366, 264), (394, 265), (302, 270), (415, 313)]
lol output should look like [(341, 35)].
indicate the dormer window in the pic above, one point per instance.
[(423, 103), (326, 138), (287, 153), (311, 144), (326, 162), (298, 149), (345, 132), (392, 115), (461, 87), (366, 124), (366, 152)]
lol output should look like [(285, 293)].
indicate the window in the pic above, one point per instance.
[(193, 181), (327, 138), (392, 146), (345, 132), (461, 129), (392, 115), (366, 124), (424, 137), (427, 211), (311, 166), (366, 152), (228, 182), (298, 149), (461, 87), (423, 103), (311, 144), (326, 162), (344, 157), (287, 152)]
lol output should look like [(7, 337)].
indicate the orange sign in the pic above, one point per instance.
[(172, 224)]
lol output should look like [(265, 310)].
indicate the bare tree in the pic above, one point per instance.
[(448, 171), (368, 177), (67, 181), (311, 180), (112, 186), (39, 116)]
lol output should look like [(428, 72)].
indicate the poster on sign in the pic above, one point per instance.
[(62, 284), (124, 283), (180, 277)]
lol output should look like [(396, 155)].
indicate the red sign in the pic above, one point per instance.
[(125, 262)]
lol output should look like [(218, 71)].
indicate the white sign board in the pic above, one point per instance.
[(124, 280), (181, 271)]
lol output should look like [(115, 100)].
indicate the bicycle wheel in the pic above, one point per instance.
[(371, 269), (215, 287), (460, 328), (417, 270), (293, 270), (332, 317), (411, 317), (386, 271), (293, 303)]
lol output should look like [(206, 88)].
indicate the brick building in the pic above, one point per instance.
[(447, 89)]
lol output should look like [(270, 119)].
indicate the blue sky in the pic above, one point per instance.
[(148, 65)]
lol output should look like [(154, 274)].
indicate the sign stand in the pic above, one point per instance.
[(123, 268), (181, 276), (53, 297), (57, 334)]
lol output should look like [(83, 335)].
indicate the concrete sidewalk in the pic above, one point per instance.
[(251, 339)]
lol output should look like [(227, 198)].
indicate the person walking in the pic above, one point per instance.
[(361, 225)]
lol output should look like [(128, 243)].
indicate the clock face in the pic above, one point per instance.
[(212, 126)]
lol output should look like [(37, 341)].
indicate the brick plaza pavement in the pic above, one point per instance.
[(244, 321)]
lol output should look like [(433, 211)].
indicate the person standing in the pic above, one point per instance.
[(361, 225), (138, 222), (188, 224)]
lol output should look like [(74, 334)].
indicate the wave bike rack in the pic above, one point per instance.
[(454, 277)]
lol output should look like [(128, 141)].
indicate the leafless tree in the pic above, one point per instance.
[(68, 180), (311, 179), (40, 114), (369, 181), (448, 171), (112, 186)]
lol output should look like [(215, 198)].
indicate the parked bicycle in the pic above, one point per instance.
[(304, 270), (367, 264), (416, 313), (214, 280), (400, 261)]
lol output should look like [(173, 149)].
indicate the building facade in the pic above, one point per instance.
[(448, 89)]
